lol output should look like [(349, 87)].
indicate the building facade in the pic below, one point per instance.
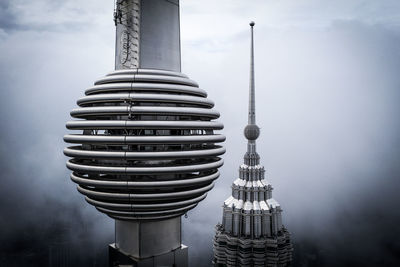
[(251, 232)]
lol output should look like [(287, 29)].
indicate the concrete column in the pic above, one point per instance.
[(142, 239), (148, 34)]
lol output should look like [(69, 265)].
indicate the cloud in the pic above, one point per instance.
[(45, 220), (54, 16), (7, 16)]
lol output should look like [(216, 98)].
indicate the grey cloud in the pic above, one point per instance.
[(8, 19), (44, 220), (53, 16)]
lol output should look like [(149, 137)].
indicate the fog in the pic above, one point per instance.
[(327, 88)]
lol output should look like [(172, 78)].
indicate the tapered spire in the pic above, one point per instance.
[(252, 104), (251, 132)]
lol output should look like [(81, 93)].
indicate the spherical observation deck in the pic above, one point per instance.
[(147, 148)]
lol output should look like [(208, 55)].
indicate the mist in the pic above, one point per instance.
[(327, 92)]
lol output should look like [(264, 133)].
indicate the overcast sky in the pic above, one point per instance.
[(328, 91)]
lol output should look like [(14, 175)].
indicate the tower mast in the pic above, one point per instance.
[(252, 131), (252, 93)]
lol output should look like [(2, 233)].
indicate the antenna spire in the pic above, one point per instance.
[(252, 104), (251, 132)]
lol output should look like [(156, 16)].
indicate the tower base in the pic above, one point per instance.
[(175, 258)]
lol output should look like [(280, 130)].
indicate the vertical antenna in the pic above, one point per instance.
[(251, 131), (252, 104)]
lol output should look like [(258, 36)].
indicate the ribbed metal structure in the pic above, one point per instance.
[(251, 232), (144, 149), (148, 148)]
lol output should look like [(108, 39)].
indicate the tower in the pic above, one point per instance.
[(147, 151), (251, 232)]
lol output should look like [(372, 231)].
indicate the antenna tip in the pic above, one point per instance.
[(252, 23)]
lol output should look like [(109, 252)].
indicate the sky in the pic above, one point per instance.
[(327, 88)]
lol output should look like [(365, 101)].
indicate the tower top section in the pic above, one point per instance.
[(147, 35), (252, 131)]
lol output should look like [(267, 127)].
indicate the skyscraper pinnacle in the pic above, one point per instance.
[(251, 232)]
